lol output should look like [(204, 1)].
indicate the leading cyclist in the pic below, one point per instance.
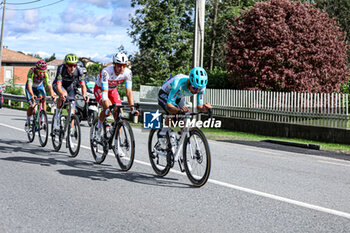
[(37, 77), (67, 76), (106, 91), (171, 96)]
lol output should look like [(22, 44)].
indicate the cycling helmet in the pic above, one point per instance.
[(41, 65), (71, 59), (120, 58), (198, 77)]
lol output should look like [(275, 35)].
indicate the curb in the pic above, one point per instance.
[(296, 144)]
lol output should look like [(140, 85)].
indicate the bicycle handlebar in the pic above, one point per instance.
[(137, 106), (210, 113)]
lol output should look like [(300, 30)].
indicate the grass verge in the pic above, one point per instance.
[(222, 134)]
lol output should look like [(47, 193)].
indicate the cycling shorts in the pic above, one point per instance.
[(69, 90), (37, 91), (113, 95), (163, 100)]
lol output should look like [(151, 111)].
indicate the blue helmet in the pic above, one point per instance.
[(198, 77)]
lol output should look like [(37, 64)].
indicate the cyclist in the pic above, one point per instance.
[(106, 91), (171, 96), (37, 77), (67, 76)]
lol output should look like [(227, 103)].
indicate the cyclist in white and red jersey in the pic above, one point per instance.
[(106, 91)]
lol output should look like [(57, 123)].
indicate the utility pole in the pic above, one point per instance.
[(198, 42), (2, 34)]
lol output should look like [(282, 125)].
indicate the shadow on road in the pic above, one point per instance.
[(132, 176), (13, 146), (292, 149), (82, 168)]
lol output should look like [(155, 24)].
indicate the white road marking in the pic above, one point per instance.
[(338, 164), (247, 190)]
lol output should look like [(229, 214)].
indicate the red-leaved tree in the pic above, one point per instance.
[(281, 45)]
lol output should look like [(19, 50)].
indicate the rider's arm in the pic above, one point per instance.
[(59, 86), (104, 86), (171, 103), (129, 94), (130, 97), (30, 82), (202, 107), (48, 83), (59, 81), (82, 83)]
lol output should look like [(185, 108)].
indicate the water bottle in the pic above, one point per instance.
[(108, 130), (63, 121)]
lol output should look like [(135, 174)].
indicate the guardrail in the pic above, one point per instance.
[(341, 121), (145, 106)]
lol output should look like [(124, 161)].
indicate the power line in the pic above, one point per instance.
[(13, 9), (22, 3)]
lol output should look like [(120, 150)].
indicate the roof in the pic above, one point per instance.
[(10, 55), (56, 62)]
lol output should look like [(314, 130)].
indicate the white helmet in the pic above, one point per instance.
[(120, 58)]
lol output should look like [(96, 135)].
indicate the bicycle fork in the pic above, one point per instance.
[(177, 156)]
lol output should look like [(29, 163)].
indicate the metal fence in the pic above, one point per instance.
[(326, 110)]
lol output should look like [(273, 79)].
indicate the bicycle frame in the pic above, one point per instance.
[(38, 102), (116, 121), (69, 103), (185, 131)]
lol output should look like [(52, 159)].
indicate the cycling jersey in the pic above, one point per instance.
[(176, 88), (108, 78), (67, 79), (36, 79)]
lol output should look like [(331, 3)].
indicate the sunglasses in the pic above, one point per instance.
[(195, 88), (72, 65)]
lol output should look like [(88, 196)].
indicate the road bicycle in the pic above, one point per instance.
[(117, 136), (69, 128), (39, 123), (195, 158)]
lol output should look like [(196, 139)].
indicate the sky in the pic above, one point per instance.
[(88, 28)]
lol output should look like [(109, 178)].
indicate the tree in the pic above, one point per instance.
[(34, 55), (53, 57), (287, 46), (340, 9), (163, 31), (94, 69), (218, 13)]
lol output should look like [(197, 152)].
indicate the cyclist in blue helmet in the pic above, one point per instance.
[(171, 96)]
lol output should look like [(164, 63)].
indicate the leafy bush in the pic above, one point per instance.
[(287, 46), (217, 79)]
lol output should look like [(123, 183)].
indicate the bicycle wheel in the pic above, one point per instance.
[(31, 132), (91, 118), (74, 136), (43, 128), (158, 154), (99, 149), (196, 155), (57, 134), (124, 145)]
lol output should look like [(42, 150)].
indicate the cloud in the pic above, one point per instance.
[(120, 16), (20, 29), (106, 3), (79, 28), (31, 17)]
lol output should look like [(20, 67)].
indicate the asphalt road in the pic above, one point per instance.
[(253, 187)]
